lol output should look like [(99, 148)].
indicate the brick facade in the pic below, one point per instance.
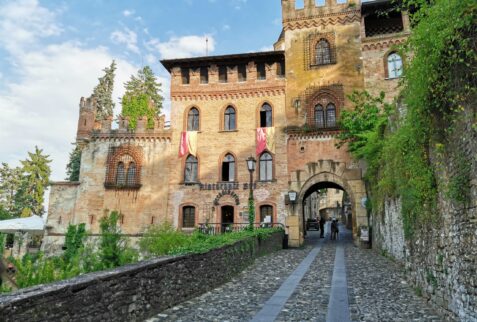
[(304, 156)]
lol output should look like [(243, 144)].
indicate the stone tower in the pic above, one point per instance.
[(322, 55), (86, 120)]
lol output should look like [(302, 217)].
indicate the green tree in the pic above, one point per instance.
[(103, 93), (113, 247), (364, 125), (142, 97), (10, 183), (36, 178), (74, 164), (74, 241)]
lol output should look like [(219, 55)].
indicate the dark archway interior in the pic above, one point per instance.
[(312, 205)]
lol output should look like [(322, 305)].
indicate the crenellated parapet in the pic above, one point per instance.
[(90, 128), (103, 129)]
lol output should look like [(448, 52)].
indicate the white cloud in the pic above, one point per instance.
[(41, 106), (24, 22), (126, 37), (225, 27), (128, 13), (181, 47)]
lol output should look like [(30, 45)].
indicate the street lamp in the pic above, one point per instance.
[(292, 197), (251, 207)]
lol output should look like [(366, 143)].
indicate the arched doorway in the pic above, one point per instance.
[(227, 216), (331, 175), (325, 200)]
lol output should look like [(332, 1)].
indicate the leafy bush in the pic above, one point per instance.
[(161, 240), (113, 247)]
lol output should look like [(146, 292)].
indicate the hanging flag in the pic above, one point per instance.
[(188, 144), (265, 139), (271, 139), (183, 147), (192, 142), (261, 140)]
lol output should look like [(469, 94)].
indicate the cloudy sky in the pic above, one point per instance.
[(52, 53)]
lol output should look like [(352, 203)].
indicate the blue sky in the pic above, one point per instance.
[(52, 52)]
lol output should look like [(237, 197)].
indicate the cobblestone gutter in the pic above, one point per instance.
[(134, 292)]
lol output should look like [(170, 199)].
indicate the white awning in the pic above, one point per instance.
[(33, 225)]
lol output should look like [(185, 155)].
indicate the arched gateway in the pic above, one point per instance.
[(325, 174)]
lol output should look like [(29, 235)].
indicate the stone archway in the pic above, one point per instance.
[(325, 171)]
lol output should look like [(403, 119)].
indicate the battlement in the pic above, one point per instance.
[(88, 103), (307, 9)]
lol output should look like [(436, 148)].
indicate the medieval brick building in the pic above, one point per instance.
[(282, 107)]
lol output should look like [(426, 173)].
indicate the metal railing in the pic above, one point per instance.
[(220, 228)]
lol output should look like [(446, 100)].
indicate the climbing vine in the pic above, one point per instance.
[(397, 142)]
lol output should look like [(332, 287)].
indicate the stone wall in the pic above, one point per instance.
[(134, 292), (441, 259)]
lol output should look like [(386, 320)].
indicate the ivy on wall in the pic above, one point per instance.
[(396, 141)]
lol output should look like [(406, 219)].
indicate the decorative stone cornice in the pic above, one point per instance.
[(383, 42), (321, 134), (165, 136), (337, 18), (229, 94)]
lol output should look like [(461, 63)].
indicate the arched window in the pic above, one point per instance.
[(266, 211), (323, 52), (394, 65), (131, 174), (188, 217), (229, 119), (228, 168), (120, 178), (330, 115), (191, 169), (266, 115), (319, 116), (266, 167), (193, 120)]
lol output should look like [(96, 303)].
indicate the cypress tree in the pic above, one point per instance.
[(74, 164), (103, 93)]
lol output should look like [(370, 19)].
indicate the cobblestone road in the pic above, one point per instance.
[(376, 289)]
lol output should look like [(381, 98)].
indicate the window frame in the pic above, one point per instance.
[(319, 108), (120, 181), (227, 119), (188, 115), (324, 52), (185, 75), (223, 70), (396, 73), (268, 206), (262, 71), (333, 105), (269, 167), (242, 73), (204, 75), (186, 163), (233, 167), (266, 119), (185, 213), (131, 170)]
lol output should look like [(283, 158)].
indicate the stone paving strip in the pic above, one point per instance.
[(242, 297), (274, 305), (310, 300), (378, 290), (338, 307)]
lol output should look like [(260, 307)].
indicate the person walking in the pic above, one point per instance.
[(322, 226)]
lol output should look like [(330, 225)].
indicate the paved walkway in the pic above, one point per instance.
[(323, 281)]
